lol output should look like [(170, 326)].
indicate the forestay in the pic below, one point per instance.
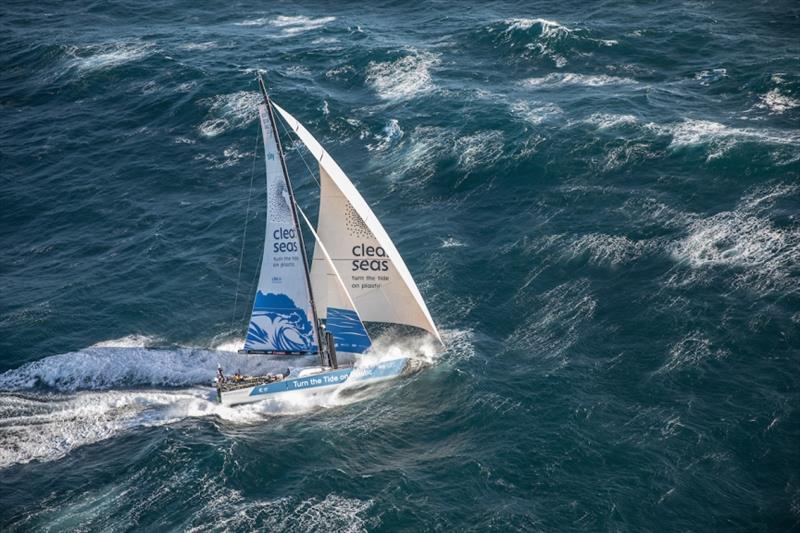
[(367, 260), (282, 319)]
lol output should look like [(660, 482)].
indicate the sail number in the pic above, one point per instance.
[(361, 250), (283, 234)]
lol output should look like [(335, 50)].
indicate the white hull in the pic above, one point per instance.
[(311, 381)]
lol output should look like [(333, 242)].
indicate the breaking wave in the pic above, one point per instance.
[(777, 102), (764, 256), (229, 111), (289, 25), (542, 38), (561, 79), (403, 78), (103, 56), (536, 112), (607, 120)]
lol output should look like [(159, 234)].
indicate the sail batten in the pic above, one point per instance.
[(374, 274)]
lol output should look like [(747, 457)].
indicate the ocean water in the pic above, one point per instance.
[(600, 203)]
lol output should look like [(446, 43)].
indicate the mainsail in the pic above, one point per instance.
[(283, 318), (364, 256)]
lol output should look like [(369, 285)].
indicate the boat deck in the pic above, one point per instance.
[(248, 381)]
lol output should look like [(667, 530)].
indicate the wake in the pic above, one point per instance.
[(52, 406)]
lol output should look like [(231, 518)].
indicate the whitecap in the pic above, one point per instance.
[(403, 78), (536, 112), (107, 55), (300, 24), (452, 242), (392, 133), (777, 102), (207, 45), (764, 256), (609, 120), (481, 149), (550, 28), (289, 25), (719, 137), (230, 111), (706, 77), (560, 79)]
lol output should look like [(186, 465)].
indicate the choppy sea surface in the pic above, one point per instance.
[(600, 203)]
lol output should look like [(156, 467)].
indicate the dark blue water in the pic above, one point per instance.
[(600, 204)]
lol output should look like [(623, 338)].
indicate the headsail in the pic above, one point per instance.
[(343, 322), (283, 316), (365, 257)]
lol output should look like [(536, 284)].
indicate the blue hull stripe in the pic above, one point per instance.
[(335, 377)]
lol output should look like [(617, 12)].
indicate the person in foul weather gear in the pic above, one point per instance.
[(220, 376)]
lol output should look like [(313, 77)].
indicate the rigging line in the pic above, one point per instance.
[(299, 151), (244, 233), (253, 285)]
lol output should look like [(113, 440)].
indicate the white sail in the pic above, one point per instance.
[(367, 260), (282, 319), (343, 321)]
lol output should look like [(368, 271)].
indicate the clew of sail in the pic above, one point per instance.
[(282, 319), (374, 274)]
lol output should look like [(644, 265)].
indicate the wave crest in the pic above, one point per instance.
[(229, 111), (403, 78)]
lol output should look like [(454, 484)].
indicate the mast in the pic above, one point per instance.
[(268, 103)]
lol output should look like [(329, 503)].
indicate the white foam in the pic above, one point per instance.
[(608, 250), (745, 239), (609, 120), (706, 77), (720, 138), (300, 24), (230, 111), (536, 112), (452, 242), (777, 102), (478, 150), (692, 350), (325, 40), (36, 425), (261, 21), (47, 427), (550, 28), (128, 341), (403, 78), (561, 79), (227, 509), (392, 133), (107, 55), (207, 45), (103, 367)]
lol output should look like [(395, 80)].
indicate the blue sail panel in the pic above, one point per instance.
[(277, 324), (348, 331)]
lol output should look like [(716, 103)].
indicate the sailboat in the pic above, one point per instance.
[(318, 309)]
